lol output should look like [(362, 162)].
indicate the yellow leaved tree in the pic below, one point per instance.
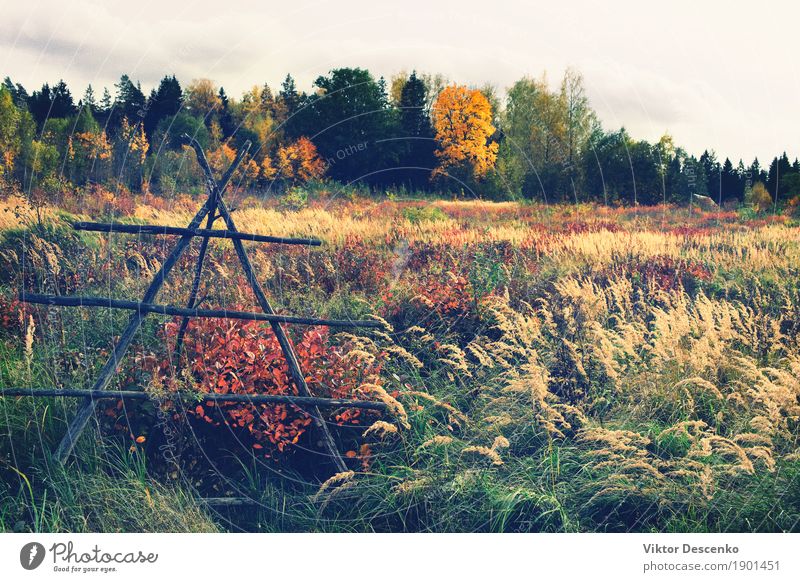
[(299, 161), (462, 121)]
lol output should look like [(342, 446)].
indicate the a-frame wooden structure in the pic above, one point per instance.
[(213, 209)]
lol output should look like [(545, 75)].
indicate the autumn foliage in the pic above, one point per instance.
[(299, 161), (234, 357), (462, 120)]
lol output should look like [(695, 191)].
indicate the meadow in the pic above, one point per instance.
[(562, 368)]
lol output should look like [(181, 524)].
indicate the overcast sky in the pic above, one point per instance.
[(722, 76)]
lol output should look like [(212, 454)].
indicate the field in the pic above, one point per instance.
[(546, 368)]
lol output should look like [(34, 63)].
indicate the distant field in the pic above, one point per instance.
[(547, 368)]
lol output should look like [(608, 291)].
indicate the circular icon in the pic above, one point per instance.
[(31, 555)]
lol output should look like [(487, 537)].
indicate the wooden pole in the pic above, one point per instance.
[(145, 308), (299, 401), (190, 303), (155, 229)]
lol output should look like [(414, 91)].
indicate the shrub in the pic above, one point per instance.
[(235, 357), (759, 197)]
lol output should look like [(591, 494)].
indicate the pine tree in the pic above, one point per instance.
[(226, 122), (267, 100), (415, 126), (105, 102), (88, 101), (741, 180), (728, 181), (773, 176), (39, 104), (290, 102), (129, 103), (713, 175), (104, 108), (414, 119), (778, 169), (756, 174), (163, 102)]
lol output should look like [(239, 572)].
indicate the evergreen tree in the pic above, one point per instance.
[(729, 182), (104, 107), (757, 174), (51, 103), (290, 103), (163, 102), (226, 121), (414, 119), (128, 103), (695, 173), (267, 99), (675, 183), (779, 168), (415, 127), (63, 105), (741, 180), (713, 175), (88, 101), (348, 121), (39, 104)]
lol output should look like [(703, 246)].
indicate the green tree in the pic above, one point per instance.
[(779, 168), (163, 102), (580, 120), (290, 101), (172, 129), (730, 182), (47, 103), (18, 93), (88, 100), (226, 121), (129, 104), (620, 170), (349, 121), (9, 136), (545, 134), (417, 157)]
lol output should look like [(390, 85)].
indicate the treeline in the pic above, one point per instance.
[(414, 131)]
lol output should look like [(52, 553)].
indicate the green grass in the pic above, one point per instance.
[(546, 482)]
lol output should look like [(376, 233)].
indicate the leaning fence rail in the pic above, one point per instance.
[(299, 401), (67, 301)]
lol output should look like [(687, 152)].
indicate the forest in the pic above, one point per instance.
[(414, 132)]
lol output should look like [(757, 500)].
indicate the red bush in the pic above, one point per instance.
[(234, 357)]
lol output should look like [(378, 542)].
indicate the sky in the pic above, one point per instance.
[(722, 76)]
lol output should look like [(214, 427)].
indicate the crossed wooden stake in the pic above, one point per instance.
[(213, 208)]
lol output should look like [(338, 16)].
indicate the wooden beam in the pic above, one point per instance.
[(190, 303), (198, 232), (144, 308), (228, 501), (299, 401)]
